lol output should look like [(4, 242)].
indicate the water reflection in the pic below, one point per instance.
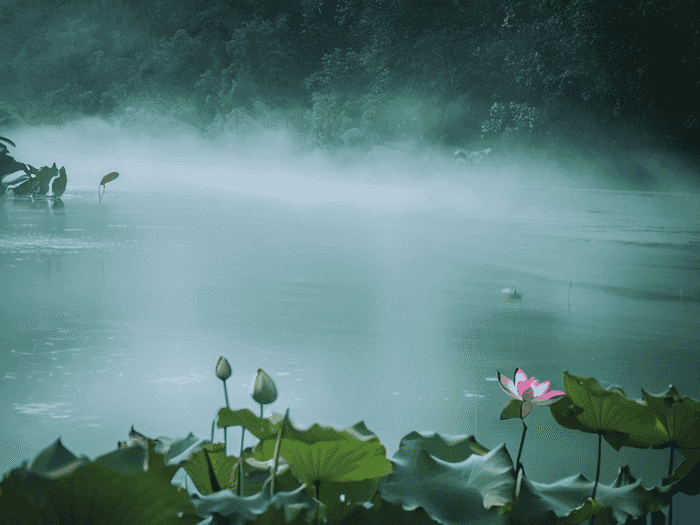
[(49, 213)]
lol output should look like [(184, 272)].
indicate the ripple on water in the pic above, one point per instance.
[(45, 243)]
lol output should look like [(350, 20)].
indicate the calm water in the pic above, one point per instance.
[(114, 314)]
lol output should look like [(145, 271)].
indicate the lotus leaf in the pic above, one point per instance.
[(96, 492), (482, 483), (588, 407), (568, 501), (680, 420), (240, 510)]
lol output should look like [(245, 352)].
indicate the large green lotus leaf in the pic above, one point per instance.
[(381, 512), (680, 419), (211, 471), (477, 490), (452, 449), (239, 510), (343, 460), (685, 479), (261, 428), (588, 407), (332, 463), (175, 451), (165, 455), (268, 428), (568, 502), (35, 477), (97, 493)]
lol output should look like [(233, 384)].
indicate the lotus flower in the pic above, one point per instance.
[(529, 391), (223, 369), (223, 372), (263, 388)]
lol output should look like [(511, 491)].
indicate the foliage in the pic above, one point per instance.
[(551, 59)]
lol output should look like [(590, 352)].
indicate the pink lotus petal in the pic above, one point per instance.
[(520, 376), (523, 386), (548, 398), (539, 389), (508, 386)]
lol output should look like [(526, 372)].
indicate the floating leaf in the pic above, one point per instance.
[(588, 407)]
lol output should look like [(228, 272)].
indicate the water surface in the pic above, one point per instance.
[(115, 314)]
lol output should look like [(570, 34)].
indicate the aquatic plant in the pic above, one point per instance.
[(526, 393), (223, 372), (324, 475), (107, 178)]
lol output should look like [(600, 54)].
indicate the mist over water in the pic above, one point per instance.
[(365, 281)]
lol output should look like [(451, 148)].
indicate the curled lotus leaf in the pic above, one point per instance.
[(685, 479), (240, 510), (568, 502), (588, 407), (114, 489), (679, 418), (483, 483)]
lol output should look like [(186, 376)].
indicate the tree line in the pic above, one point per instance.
[(443, 70)]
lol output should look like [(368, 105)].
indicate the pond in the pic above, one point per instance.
[(388, 311)]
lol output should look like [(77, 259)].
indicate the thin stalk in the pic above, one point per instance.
[(670, 471), (522, 327), (318, 500), (276, 456), (597, 473), (518, 465), (225, 429), (213, 422)]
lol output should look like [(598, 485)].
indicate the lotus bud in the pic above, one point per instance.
[(263, 388), (223, 369)]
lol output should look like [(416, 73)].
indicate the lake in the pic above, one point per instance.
[(384, 306)]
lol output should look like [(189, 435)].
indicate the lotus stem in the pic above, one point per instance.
[(670, 472), (276, 456), (597, 472), (518, 465), (240, 463), (213, 422), (225, 428)]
